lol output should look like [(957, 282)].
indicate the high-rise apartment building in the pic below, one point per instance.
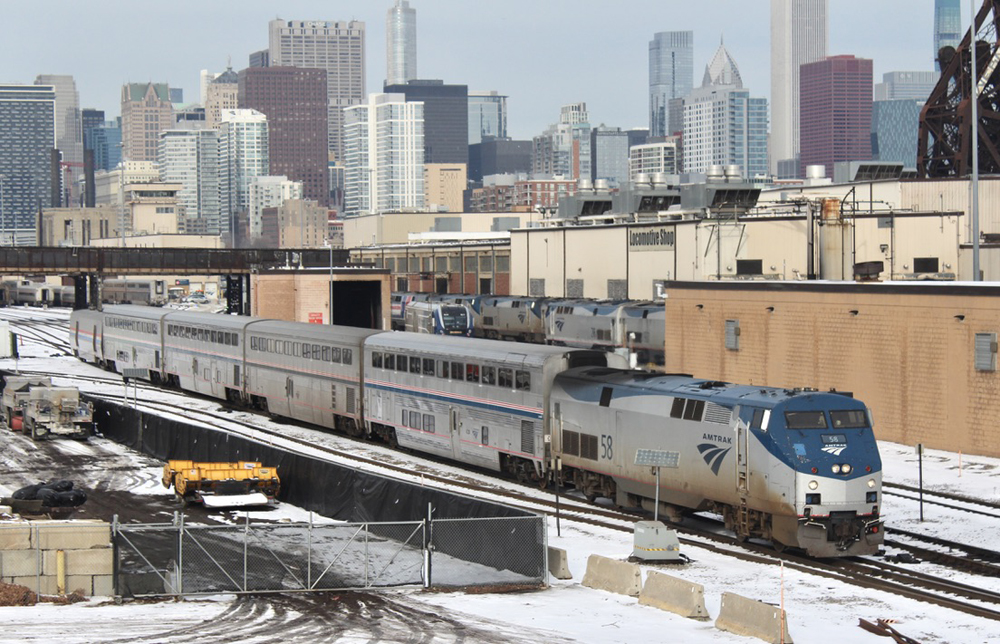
[(948, 29), (723, 124), (338, 48), (609, 148), (836, 111), (146, 111), (69, 126), (905, 85), (384, 155), (294, 101), (446, 118), (444, 185), (671, 76), (654, 158), (799, 33), (27, 138), (243, 152), (190, 158), (221, 93), (564, 148), (400, 43), (268, 192), (487, 116)]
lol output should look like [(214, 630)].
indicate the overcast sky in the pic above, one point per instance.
[(540, 53)]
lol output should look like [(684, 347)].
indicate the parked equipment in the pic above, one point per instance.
[(35, 406), (223, 485)]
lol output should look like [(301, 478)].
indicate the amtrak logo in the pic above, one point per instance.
[(713, 455), (559, 324), (521, 317), (836, 450)]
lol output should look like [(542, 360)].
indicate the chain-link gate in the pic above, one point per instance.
[(182, 559)]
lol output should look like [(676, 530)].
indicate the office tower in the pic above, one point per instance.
[(948, 28), (498, 156), (190, 158), (384, 155), (905, 85), (487, 116), (204, 79), (260, 58), (609, 148), (268, 192), (400, 43), (90, 119), (444, 185), (243, 156), (294, 101), (895, 129), (723, 124), (69, 127), (222, 93), (671, 76), (799, 34), (446, 118), (27, 138), (338, 48), (106, 142), (177, 95), (146, 111), (836, 111)]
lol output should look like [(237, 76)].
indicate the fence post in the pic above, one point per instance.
[(38, 561), (246, 540), (309, 554), (114, 557), (428, 538), (180, 555)]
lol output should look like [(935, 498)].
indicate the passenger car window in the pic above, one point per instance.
[(457, 369), (489, 375), (472, 373), (505, 377), (414, 364), (377, 360), (428, 366), (523, 381)]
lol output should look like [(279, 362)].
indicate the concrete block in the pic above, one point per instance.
[(15, 537), (753, 619), (674, 595), (613, 576), (20, 563), (104, 585), (558, 564), (73, 535), (96, 561), (80, 582), (44, 585)]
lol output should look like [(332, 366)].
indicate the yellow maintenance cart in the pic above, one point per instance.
[(223, 485)]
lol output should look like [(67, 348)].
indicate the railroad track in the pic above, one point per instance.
[(952, 498)]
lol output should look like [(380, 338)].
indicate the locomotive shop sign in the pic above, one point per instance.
[(651, 238)]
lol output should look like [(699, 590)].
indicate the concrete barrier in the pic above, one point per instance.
[(674, 595), (752, 618), (613, 576), (558, 564), (53, 556)]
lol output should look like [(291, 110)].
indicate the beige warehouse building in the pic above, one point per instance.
[(922, 356)]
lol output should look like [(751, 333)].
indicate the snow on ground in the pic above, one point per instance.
[(818, 609)]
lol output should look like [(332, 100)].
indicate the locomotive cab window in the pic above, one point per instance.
[(853, 419), (805, 419)]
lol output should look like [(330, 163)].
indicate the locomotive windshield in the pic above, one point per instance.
[(852, 419), (454, 318), (805, 420)]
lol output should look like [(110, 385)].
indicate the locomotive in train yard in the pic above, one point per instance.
[(797, 467)]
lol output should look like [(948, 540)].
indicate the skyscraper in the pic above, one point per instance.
[(947, 26), (895, 128), (400, 43), (294, 101), (69, 127), (671, 75), (487, 116), (446, 118), (799, 34), (27, 137), (609, 148), (384, 155), (836, 111), (146, 111), (723, 124), (222, 93), (191, 158), (905, 85), (243, 156), (338, 48)]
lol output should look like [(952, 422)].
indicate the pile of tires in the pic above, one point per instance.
[(55, 494)]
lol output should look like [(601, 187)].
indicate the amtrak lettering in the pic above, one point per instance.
[(659, 238), (728, 440)]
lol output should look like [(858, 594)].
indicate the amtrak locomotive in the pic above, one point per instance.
[(799, 468)]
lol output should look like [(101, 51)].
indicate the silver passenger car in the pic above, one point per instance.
[(132, 338), (204, 353)]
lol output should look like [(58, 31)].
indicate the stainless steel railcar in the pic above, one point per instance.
[(34, 294), (584, 323), (799, 469), (643, 326), (126, 291)]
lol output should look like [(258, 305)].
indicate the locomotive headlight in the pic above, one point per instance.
[(836, 469), (813, 485), (871, 482), (846, 468)]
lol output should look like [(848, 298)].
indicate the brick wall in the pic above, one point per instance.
[(909, 357)]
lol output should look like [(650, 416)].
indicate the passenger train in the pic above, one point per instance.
[(638, 326), (799, 468), (439, 318)]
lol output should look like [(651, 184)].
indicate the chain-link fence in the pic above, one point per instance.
[(183, 559)]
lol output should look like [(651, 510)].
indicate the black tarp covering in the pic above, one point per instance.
[(329, 489)]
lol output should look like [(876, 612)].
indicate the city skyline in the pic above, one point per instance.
[(511, 38)]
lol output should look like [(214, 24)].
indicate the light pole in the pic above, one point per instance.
[(329, 244), (3, 210)]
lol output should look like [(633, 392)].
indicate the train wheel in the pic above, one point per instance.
[(778, 546)]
